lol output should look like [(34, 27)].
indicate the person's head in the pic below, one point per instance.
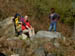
[(26, 17), (17, 15), (52, 10)]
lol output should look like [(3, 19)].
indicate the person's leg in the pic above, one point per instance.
[(25, 31), (33, 32), (54, 26), (51, 26), (30, 33)]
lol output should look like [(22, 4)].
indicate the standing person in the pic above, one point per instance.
[(54, 17), (26, 27)]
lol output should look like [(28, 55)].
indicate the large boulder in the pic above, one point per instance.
[(6, 22), (47, 34), (39, 52), (7, 27)]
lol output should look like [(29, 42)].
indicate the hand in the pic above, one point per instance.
[(31, 27), (27, 26), (19, 22)]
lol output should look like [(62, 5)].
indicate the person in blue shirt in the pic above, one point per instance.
[(54, 17)]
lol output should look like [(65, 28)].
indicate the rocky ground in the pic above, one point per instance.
[(37, 47), (44, 43)]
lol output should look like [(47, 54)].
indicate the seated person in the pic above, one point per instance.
[(26, 27), (17, 24)]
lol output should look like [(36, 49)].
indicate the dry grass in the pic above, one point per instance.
[(10, 7)]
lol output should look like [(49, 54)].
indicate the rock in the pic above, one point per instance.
[(39, 52), (51, 54), (56, 44), (14, 38), (15, 43), (1, 54), (15, 55), (24, 37), (48, 34), (7, 27), (6, 22)]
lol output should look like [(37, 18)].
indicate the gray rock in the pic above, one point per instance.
[(6, 22), (7, 27), (39, 52), (56, 44), (15, 55), (48, 34), (51, 54)]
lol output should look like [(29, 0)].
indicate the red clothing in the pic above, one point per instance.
[(24, 26)]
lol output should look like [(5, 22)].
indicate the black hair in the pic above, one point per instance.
[(52, 10), (16, 15)]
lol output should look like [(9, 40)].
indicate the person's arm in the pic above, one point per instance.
[(23, 23), (58, 17), (29, 25), (19, 22)]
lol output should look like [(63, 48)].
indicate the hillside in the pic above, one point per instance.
[(44, 42), (42, 9)]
